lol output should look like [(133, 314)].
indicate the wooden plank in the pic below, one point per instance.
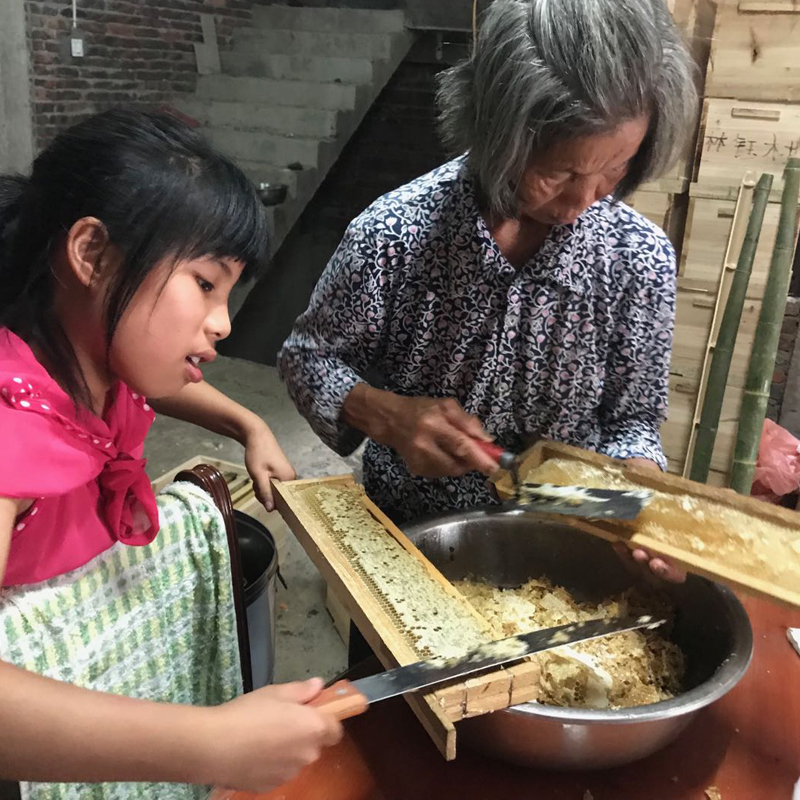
[(740, 135), (684, 500), (754, 56)]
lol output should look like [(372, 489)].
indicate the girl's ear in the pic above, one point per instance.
[(87, 243)]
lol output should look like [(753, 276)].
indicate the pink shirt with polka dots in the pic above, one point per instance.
[(85, 474)]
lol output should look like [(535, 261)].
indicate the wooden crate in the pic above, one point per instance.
[(668, 211), (708, 226), (740, 135), (695, 20), (693, 318), (676, 430), (755, 54)]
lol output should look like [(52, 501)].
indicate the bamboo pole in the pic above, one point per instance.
[(725, 343), (765, 344), (739, 227)]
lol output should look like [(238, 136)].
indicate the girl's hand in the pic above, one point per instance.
[(264, 460), (263, 739)]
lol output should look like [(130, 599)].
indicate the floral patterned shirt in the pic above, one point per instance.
[(574, 346)]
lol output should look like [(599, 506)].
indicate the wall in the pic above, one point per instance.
[(138, 53), (16, 125), (396, 142)]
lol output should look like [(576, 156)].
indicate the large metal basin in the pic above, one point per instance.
[(509, 547)]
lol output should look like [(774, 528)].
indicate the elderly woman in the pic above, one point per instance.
[(509, 294)]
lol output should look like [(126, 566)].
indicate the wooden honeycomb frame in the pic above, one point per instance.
[(753, 579), (381, 626)]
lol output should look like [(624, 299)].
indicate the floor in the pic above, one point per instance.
[(307, 642)]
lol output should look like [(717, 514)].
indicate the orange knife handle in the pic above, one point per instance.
[(342, 700)]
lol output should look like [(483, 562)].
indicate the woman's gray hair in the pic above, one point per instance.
[(544, 71)]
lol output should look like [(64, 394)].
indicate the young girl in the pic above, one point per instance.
[(117, 258)]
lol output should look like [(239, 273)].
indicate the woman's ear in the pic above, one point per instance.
[(87, 242)]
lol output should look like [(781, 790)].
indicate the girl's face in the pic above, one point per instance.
[(171, 328)]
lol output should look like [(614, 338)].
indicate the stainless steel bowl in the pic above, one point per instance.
[(510, 547), (272, 194)]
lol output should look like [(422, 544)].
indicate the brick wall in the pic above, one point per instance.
[(448, 14), (138, 52)]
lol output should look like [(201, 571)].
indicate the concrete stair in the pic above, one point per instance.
[(293, 89), (298, 68), (328, 19)]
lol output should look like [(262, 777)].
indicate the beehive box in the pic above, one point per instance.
[(695, 20), (755, 54), (700, 280), (708, 226), (740, 135)]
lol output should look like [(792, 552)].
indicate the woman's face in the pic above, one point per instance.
[(563, 182), (171, 328)]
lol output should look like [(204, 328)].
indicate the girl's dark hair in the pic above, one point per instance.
[(161, 192)]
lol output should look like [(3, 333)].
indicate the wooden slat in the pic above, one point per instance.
[(754, 56), (750, 580), (739, 135)]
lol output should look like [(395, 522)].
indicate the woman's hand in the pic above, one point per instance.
[(265, 460), (435, 437), (641, 558), (263, 739)]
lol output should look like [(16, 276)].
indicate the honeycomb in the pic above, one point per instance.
[(627, 669), (723, 535), (431, 619)]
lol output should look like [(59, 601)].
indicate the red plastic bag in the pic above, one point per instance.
[(778, 465)]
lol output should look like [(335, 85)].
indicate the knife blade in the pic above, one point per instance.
[(346, 699), (580, 501), (571, 501)]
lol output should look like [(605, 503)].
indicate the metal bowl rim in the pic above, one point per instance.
[(726, 676)]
